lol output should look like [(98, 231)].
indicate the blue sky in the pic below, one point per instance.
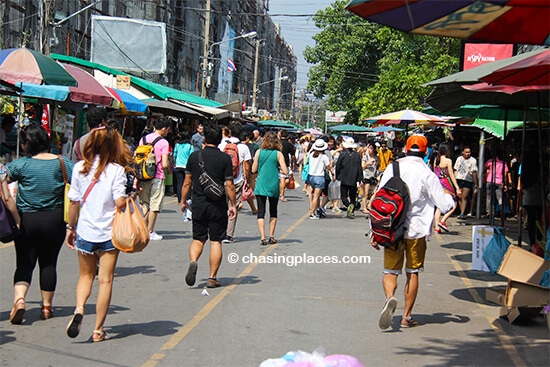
[(297, 31)]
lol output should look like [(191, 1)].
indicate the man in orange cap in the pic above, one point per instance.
[(426, 193)]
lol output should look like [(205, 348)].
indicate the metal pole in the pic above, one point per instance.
[(292, 108), (278, 113), (205, 49), (255, 84)]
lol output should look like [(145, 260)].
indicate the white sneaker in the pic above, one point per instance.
[(154, 236)]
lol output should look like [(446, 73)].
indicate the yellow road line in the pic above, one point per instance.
[(504, 338), (209, 307)]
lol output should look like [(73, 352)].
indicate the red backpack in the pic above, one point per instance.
[(233, 151), (388, 211)]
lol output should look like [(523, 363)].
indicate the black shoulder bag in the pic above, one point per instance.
[(211, 188)]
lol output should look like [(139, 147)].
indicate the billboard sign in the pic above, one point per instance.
[(476, 54), (129, 44), (338, 116)]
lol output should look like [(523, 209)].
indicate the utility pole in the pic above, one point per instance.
[(206, 56), (292, 108), (278, 111), (48, 7), (255, 84)]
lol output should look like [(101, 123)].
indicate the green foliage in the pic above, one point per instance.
[(370, 69)]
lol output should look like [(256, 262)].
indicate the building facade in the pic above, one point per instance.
[(64, 27)]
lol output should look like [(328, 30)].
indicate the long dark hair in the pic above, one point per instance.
[(109, 145), (444, 149)]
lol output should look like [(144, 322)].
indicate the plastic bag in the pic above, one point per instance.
[(130, 233), (495, 250), (248, 193), (334, 190)]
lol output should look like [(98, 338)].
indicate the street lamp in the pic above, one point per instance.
[(207, 66), (256, 90)]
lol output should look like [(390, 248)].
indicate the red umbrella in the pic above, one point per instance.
[(531, 71), (505, 21), (89, 90)]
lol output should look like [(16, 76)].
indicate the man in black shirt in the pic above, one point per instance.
[(289, 153), (210, 217)]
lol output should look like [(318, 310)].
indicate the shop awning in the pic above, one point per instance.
[(213, 112), (160, 91), (172, 109)]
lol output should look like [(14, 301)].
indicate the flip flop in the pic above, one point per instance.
[(406, 323)]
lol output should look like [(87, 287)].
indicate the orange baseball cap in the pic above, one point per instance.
[(417, 143)]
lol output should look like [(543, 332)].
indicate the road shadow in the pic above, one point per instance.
[(122, 271), (478, 275), (426, 319), (458, 245), (157, 328)]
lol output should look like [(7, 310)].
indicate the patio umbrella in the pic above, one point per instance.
[(127, 103), (28, 66), (314, 131), (496, 127), (492, 112), (89, 90), (450, 93), (504, 21), (403, 117), (385, 129), (533, 70), (349, 128)]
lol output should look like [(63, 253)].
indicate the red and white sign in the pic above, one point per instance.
[(476, 54)]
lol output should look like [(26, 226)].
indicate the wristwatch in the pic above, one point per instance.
[(70, 228)]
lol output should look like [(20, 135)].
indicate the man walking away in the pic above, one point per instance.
[(289, 154), (152, 193), (349, 173), (95, 116), (426, 193), (210, 217)]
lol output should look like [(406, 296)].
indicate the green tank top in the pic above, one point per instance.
[(267, 183)]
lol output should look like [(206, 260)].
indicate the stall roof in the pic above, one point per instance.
[(161, 91)]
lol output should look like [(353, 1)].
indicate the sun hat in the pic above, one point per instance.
[(417, 143), (349, 143), (320, 145)]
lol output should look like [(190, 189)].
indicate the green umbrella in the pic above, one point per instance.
[(278, 123), (496, 127), (349, 128), (491, 112)]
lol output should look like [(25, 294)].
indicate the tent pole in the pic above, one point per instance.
[(480, 172), (504, 189), (520, 191), (543, 197)]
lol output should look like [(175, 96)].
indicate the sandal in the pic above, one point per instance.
[(73, 329), (272, 240), (406, 323), (18, 311), (99, 336), (46, 312), (263, 242)]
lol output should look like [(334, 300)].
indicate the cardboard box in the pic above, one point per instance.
[(512, 314), (495, 295), (481, 235), (524, 271)]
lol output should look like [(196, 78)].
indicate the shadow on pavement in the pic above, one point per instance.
[(121, 271), (157, 328)]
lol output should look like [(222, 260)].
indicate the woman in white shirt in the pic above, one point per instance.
[(98, 185), (318, 162)]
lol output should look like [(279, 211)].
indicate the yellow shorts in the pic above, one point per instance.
[(413, 250), (152, 194)]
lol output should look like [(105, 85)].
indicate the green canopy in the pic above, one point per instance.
[(495, 127), (349, 128), (161, 91), (491, 112), (278, 123)]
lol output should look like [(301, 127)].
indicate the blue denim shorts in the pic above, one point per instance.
[(316, 182), (92, 247)]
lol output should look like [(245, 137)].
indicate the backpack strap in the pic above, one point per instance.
[(201, 162), (156, 140), (395, 166)]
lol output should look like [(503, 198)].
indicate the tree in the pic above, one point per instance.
[(368, 69)]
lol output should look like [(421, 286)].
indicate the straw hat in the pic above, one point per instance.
[(320, 145)]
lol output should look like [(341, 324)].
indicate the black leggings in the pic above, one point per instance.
[(273, 202), (41, 239)]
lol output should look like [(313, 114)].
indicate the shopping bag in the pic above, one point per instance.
[(495, 250), (8, 228), (130, 233), (291, 185), (248, 193), (334, 190)]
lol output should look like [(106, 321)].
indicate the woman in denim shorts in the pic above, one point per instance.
[(98, 185), (318, 162)]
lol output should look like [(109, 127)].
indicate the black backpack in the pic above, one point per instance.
[(388, 211)]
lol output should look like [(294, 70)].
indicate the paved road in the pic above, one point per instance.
[(266, 309)]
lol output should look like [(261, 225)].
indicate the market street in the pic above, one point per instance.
[(309, 291)]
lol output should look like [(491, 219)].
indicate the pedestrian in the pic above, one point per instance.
[(8, 122), (197, 140), (335, 154), (443, 169), (425, 193), (98, 187), (95, 116), (182, 151), (318, 163), (531, 184), (465, 170), (257, 138), (40, 200), (289, 153), (385, 156), (210, 217), (496, 182), (245, 163), (152, 191), (369, 164), (350, 175), (246, 139), (268, 161)]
